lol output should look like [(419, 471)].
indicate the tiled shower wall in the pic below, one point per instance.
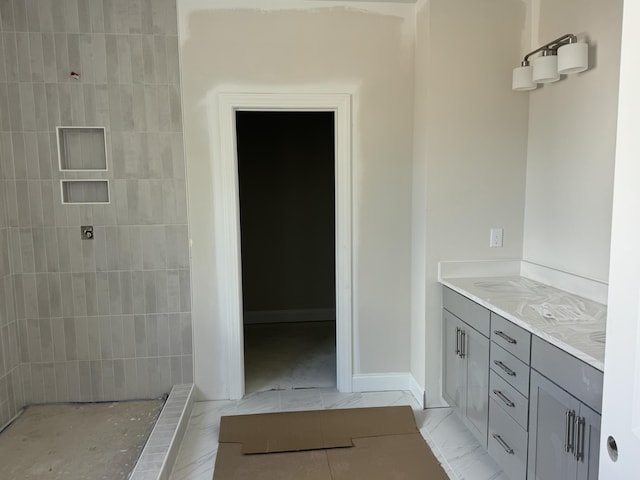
[(108, 318), (11, 400)]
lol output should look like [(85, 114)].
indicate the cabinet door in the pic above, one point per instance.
[(548, 457), (452, 363), (476, 407), (589, 445)]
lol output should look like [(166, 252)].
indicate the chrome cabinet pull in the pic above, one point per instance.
[(504, 336), (506, 369), (504, 398), (579, 444), (458, 341), (502, 443), (569, 417), (463, 342)]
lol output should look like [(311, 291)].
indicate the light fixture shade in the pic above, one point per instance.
[(573, 58), (545, 69), (522, 79)]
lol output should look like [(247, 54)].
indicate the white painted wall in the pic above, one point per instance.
[(571, 145), (309, 47), (470, 152)]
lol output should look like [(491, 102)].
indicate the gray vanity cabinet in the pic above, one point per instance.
[(564, 434), (453, 363), (466, 362), (550, 430), (564, 426), (588, 469)]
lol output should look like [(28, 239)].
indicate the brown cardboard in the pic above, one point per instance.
[(367, 443)]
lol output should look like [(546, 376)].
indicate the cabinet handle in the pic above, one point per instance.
[(569, 417), (458, 341), (504, 336), (502, 443), (506, 369), (579, 447), (504, 398), (463, 341)]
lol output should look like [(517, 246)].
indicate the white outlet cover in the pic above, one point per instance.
[(495, 239)]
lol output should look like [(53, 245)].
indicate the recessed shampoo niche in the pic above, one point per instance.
[(84, 191), (82, 149)]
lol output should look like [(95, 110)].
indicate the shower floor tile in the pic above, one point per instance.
[(77, 441)]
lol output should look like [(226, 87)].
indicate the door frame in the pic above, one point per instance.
[(227, 197)]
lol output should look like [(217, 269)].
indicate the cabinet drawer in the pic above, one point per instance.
[(467, 310), (514, 371), (509, 399), (507, 443), (511, 337)]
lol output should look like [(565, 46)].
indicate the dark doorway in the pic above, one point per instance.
[(286, 172)]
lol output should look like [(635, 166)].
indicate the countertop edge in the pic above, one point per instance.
[(579, 354)]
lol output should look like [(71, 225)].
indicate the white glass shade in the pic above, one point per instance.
[(573, 58), (522, 79), (545, 69)]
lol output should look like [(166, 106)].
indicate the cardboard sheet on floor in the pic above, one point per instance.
[(350, 444)]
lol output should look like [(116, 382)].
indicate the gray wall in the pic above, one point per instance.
[(11, 400), (109, 318)]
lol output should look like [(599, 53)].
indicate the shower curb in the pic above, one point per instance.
[(159, 454)]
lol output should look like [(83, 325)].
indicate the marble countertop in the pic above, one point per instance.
[(570, 322)]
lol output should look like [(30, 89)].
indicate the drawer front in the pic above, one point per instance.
[(507, 443), (467, 310), (514, 371), (511, 337), (509, 399), (578, 378)]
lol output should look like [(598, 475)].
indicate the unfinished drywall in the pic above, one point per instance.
[(311, 47), (469, 153), (571, 144)]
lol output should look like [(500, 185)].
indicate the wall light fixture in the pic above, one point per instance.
[(564, 55)]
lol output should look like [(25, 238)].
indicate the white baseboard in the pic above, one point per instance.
[(289, 316), (384, 382), (417, 391)]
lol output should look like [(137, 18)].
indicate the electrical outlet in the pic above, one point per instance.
[(495, 239)]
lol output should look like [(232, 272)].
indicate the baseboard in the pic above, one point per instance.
[(290, 316), (417, 391), (384, 382)]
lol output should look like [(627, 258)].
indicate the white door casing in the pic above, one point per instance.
[(621, 400), (229, 223)]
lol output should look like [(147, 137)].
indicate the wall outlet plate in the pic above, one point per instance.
[(495, 239)]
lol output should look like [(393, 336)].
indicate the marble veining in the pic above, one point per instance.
[(570, 322), (461, 456)]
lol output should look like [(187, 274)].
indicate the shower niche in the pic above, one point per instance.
[(83, 151)]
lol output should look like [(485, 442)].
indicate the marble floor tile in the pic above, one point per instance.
[(455, 447)]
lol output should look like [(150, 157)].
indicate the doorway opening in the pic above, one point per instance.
[(286, 190), (227, 225)]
